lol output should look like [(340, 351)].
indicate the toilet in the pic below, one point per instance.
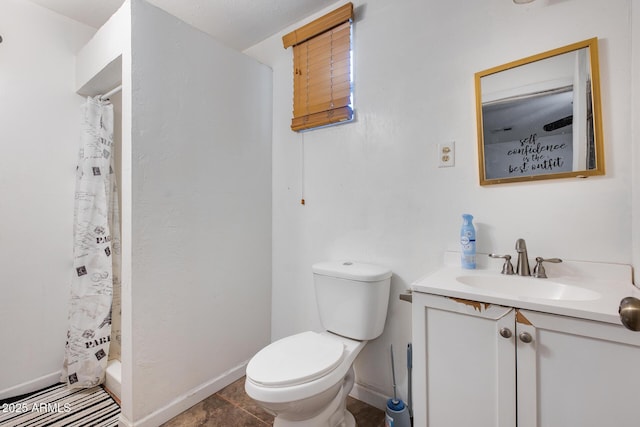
[(304, 379)]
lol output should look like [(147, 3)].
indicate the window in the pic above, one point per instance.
[(322, 70)]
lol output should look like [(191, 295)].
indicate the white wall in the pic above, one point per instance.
[(99, 62), (635, 115), (372, 188), (39, 138), (200, 214)]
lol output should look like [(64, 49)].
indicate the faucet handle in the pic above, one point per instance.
[(538, 270), (507, 268)]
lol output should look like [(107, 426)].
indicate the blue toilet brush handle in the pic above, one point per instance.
[(409, 367), (393, 375)]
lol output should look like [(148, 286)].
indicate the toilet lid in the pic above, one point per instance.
[(295, 360)]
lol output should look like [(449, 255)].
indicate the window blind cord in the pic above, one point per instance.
[(302, 168)]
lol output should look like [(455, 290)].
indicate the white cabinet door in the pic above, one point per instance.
[(576, 373), (468, 374)]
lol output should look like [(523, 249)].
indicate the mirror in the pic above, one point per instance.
[(539, 117)]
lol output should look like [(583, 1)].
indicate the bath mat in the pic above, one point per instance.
[(59, 406)]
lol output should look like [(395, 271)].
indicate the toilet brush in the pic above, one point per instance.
[(397, 413), (409, 390)]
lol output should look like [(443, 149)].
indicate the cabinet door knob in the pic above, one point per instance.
[(505, 333), (526, 337)]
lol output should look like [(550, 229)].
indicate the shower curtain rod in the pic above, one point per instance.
[(111, 92)]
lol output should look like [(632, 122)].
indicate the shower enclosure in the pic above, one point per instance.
[(96, 251), (196, 206)]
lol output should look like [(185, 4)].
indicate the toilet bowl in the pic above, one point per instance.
[(304, 379), (298, 377)]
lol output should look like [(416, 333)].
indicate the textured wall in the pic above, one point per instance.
[(200, 210), (373, 190)]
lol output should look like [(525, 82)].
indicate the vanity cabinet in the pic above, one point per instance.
[(487, 365)]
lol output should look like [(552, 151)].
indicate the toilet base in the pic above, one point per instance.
[(334, 415), (349, 420)]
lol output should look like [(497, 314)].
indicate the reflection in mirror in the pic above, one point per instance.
[(539, 117)]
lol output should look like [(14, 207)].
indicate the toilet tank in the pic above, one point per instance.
[(352, 298)]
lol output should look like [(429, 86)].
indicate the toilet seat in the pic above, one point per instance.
[(295, 360)]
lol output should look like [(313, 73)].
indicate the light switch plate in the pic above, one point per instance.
[(446, 154)]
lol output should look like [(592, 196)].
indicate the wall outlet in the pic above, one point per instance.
[(447, 154)]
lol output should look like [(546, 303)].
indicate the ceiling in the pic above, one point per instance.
[(237, 23), (542, 114)]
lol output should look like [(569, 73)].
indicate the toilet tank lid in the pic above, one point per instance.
[(352, 270)]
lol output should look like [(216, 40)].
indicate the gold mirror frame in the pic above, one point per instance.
[(530, 105)]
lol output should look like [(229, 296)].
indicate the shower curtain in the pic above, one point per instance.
[(96, 251)]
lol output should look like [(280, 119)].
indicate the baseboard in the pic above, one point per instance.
[(123, 421), (31, 386), (113, 379), (369, 396), (187, 400)]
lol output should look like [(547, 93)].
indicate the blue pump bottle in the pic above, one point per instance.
[(468, 243)]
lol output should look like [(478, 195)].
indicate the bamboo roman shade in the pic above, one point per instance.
[(322, 70)]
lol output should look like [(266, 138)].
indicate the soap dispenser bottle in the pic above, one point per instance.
[(468, 243)]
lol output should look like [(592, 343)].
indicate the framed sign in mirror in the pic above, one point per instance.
[(539, 117)]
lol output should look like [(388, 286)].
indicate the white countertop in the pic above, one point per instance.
[(612, 281)]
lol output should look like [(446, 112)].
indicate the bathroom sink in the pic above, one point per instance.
[(528, 287)]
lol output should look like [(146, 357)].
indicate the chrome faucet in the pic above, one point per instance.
[(522, 266), (539, 271)]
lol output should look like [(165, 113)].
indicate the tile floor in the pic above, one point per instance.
[(231, 407)]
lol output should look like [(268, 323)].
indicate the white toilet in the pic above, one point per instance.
[(304, 379)]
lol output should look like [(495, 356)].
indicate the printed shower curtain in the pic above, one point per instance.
[(96, 251)]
